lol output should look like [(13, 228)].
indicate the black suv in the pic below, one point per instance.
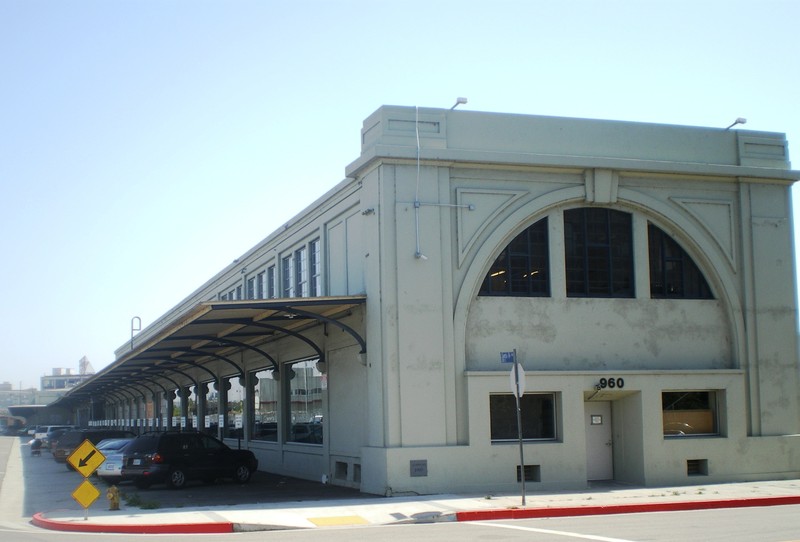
[(176, 457)]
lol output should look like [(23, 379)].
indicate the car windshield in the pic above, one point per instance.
[(113, 444), (144, 443), (71, 437)]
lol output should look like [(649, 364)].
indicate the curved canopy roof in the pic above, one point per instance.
[(214, 331)]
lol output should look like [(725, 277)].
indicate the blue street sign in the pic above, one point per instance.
[(507, 357)]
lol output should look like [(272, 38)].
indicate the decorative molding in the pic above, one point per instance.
[(602, 186), (717, 217), (763, 151), (486, 206)]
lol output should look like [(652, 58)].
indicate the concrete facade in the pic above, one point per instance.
[(482, 178), (425, 210)]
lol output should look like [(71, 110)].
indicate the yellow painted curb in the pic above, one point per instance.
[(338, 520)]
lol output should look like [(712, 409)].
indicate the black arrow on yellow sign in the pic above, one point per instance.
[(83, 462)]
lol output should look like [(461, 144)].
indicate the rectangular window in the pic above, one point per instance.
[(315, 268), (251, 288), (538, 417), (260, 285), (265, 418), (690, 413), (598, 249), (305, 402), (272, 285), (301, 272), (288, 277)]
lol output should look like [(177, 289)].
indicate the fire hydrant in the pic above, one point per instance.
[(113, 498)]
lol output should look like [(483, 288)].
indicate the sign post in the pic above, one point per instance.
[(518, 389), (85, 459)]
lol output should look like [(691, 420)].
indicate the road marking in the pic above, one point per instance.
[(338, 521), (548, 531)]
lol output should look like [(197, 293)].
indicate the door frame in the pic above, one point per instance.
[(599, 428)]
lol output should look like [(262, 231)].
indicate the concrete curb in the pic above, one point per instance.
[(529, 513), (157, 528), (206, 527)]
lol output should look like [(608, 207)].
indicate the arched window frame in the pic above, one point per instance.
[(522, 269), (673, 272)]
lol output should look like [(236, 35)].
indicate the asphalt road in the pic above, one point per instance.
[(772, 524), (48, 485)]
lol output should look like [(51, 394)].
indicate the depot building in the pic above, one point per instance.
[(641, 275)]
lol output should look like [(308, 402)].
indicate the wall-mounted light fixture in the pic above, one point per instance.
[(739, 120), (459, 101)]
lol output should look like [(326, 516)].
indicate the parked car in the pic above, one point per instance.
[(70, 440), (175, 458), (53, 435), (42, 431), (113, 449)]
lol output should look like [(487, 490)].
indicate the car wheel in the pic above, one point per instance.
[(242, 474), (176, 478)]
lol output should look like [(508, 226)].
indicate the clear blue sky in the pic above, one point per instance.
[(146, 144)]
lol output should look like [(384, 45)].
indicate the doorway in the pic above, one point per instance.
[(599, 441)]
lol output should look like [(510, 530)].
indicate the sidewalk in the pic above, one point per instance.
[(304, 508), (611, 499)]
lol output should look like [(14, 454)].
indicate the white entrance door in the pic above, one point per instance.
[(599, 445)]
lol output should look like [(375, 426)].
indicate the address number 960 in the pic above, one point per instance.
[(610, 383)]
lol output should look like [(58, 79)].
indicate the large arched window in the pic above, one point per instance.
[(598, 246), (673, 273), (522, 268)]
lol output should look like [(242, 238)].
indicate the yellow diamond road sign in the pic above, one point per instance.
[(86, 458), (85, 494)]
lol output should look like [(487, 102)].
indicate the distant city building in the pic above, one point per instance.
[(9, 395), (64, 379), (51, 388)]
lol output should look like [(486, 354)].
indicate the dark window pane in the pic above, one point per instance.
[(673, 273), (687, 413), (599, 252), (522, 268), (538, 416)]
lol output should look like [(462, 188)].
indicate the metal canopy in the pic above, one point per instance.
[(215, 331)]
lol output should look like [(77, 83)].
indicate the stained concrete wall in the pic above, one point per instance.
[(444, 211), (422, 214)]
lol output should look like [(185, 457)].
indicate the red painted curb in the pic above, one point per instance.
[(528, 513), (162, 528)]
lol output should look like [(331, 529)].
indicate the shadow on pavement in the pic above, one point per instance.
[(49, 486), (262, 488)]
